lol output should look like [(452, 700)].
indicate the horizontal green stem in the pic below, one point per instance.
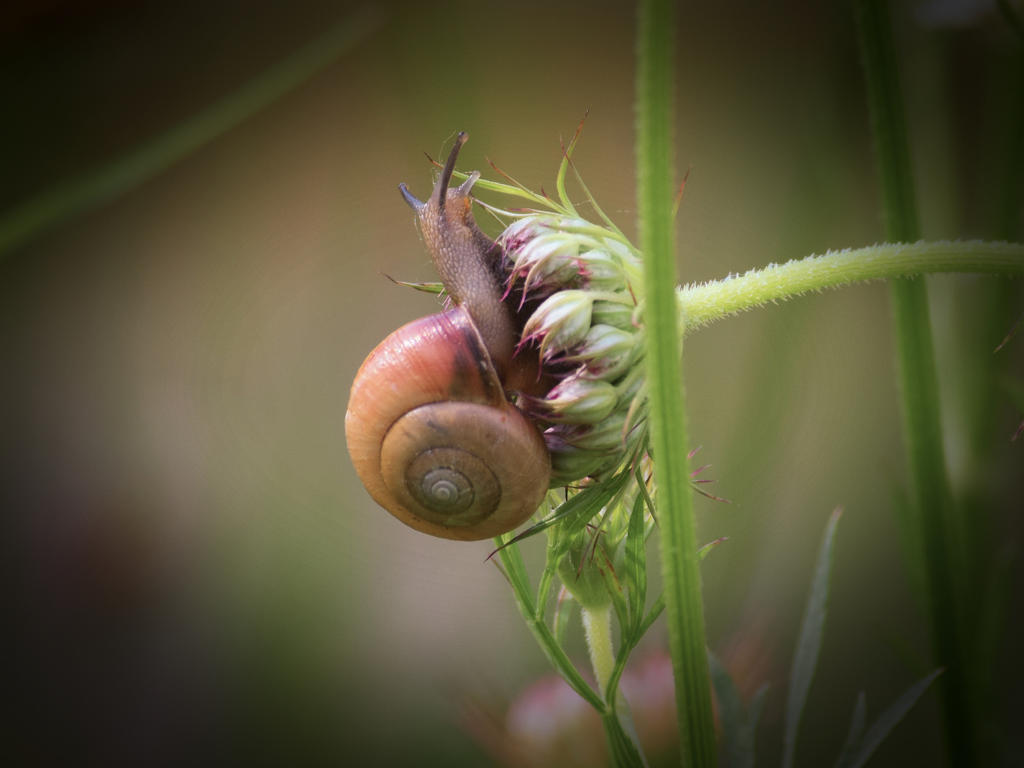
[(707, 302)]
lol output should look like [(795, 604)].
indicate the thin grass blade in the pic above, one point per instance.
[(624, 752), (889, 719), (635, 576), (76, 195), (809, 644), (854, 734), (731, 716)]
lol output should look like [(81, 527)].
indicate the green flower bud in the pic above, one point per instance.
[(608, 435), (606, 352), (519, 232), (589, 337), (575, 400), (602, 270), (581, 571), (614, 313), (632, 388), (560, 323), (569, 463), (547, 261)]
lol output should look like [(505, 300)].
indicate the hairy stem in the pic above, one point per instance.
[(597, 624), (707, 302)]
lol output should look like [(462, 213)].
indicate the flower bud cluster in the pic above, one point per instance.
[(580, 280)]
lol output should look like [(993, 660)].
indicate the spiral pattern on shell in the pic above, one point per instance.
[(434, 439)]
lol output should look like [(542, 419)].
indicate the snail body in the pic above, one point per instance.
[(431, 432)]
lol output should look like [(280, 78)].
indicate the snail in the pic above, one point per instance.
[(431, 431)]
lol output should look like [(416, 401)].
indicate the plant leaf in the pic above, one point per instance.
[(563, 612), (575, 511), (653, 614), (563, 168), (435, 288), (739, 724), (754, 710), (809, 644), (623, 750), (889, 719), (635, 575), (614, 586), (515, 572), (855, 733), (109, 181), (706, 549), (730, 713)]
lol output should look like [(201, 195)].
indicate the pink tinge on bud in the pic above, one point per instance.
[(547, 262), (560, 323), (575, 400), (606, 352), (518, 233)]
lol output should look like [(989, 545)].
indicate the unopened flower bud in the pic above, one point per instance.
[(601, 270), (560, 323), (575, 400), (632, 388), (608, 435), (519, 232), (581, 570), (606, 352), (546, 261), (614, 313), (569, 463)]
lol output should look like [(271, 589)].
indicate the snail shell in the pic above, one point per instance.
[(434, 439)]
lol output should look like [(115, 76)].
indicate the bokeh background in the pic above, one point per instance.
[(197, 574)]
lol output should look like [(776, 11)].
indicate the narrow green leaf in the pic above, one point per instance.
[(889, 719), (706, 550), (635, 577), (614, 585), (754, 710), (578, 509), (731, 716), (563, 168), (854, 734), (653, 614), (75, 195), (516, 190), (597, 208), (563, 613), (739, 724), (809, 643), (610, 489), (617, 669), (552, 554), (624, 752), (434, 288), (515, 572)]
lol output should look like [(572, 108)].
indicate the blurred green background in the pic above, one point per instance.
[(198, 576)]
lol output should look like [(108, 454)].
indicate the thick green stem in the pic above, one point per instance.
[(655, 192), (931, 495), (707, 302)]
